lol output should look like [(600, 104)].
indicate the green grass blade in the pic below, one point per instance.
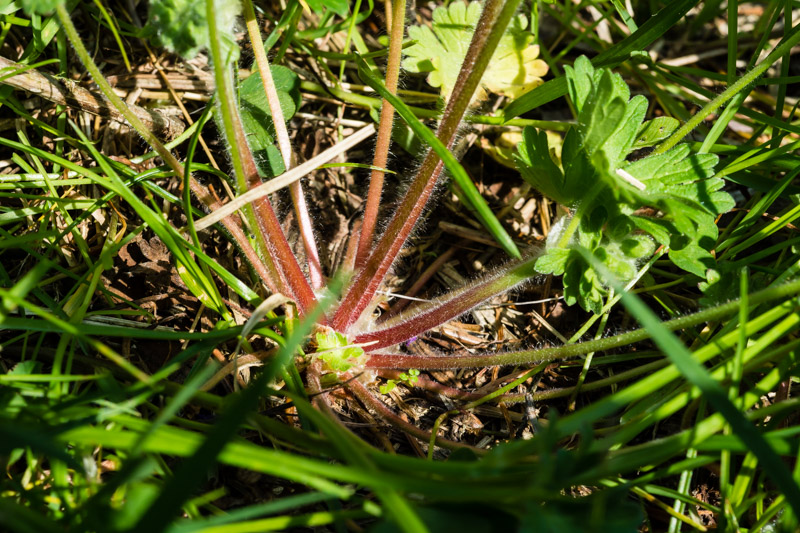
[(248, 513), (351, 448), (716, 395), (191, 473), (23, 519)]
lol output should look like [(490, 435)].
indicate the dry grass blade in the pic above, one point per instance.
[(285, 179)]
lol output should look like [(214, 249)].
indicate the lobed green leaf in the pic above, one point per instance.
[(609, 193)]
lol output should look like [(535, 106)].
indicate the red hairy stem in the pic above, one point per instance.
[(522, 357), (442, 362), (384, 135), (271, 235), (420, 283), (264, 268), (295, 189), (277, 246), (494, 19), (369, 399), (429, 315), (279, 249)]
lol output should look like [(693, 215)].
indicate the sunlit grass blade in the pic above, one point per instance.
[(178, 489), (251, 512), (715, 394)]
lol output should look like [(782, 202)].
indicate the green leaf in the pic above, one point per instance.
[(257, 117), (656, 26), (582, 285), (440, 50), (181, 26), (536, 163), (608, 121), (654, 131), (606, 190), (554, 261), (339, 7), (334, 349), (581, 80), (682, 187), (388, 387)]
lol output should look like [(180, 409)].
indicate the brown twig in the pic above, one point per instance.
[(67, 92)]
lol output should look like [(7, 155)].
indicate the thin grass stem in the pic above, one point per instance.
[(788, 42), (267, 272)]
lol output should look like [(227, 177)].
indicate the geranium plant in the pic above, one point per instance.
[(621, 210), (605, 194)]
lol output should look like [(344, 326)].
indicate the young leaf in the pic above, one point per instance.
[(339, 7), (39, 7), (682, 187), (608, 121), (257, 117), (333, 348), (537, 166), (440, 50)]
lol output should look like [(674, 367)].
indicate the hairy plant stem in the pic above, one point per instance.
[(788, 42), (422, 279), (495, 17), (384, 135), (426, 316), (575, 221), (262, 215), (296, 188), (384, 360), (265, 271)]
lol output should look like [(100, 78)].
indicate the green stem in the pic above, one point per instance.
[(783, 48), (108, 92), (575, 221)]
